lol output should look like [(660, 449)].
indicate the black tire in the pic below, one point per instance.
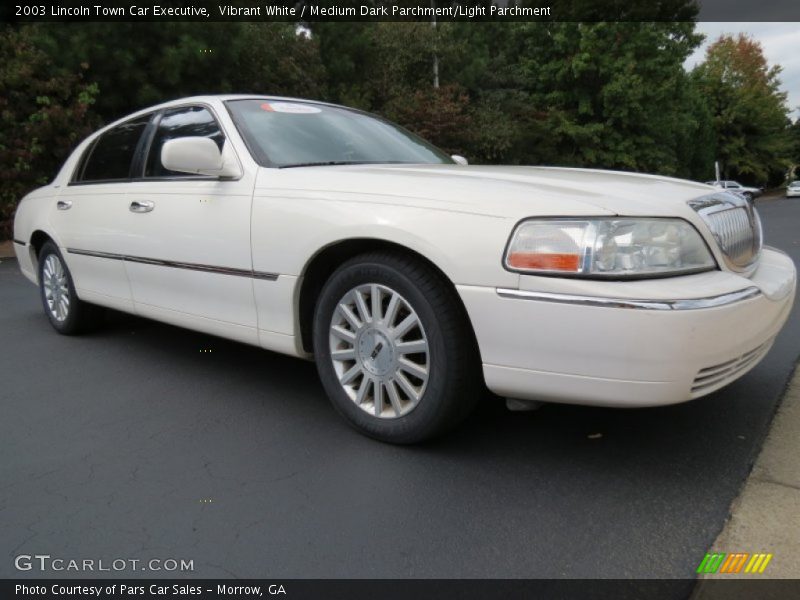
[(455, 379), (80, 316)]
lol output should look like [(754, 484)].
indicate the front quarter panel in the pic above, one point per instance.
[(290, 228)]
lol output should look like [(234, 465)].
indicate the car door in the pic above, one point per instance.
[(188, 237), (86, 214)]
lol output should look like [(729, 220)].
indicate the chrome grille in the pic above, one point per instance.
[(735, 225)]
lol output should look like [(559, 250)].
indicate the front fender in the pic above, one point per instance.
[(468, 248)]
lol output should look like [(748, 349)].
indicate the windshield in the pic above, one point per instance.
[(297, 134)]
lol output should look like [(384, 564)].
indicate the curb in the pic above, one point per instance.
[(765, 518), (7, 249)]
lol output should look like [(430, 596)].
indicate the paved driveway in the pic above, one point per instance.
[(144, 440)]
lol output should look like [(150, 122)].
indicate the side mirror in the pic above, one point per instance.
[(199, 155), (460, 160)]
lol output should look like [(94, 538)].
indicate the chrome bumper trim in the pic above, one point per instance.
[(682, 304), (774, 249)]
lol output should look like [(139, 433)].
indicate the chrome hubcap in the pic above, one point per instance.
[(379, 351), (56, 289)]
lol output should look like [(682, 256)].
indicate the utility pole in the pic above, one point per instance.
[(435, 55)]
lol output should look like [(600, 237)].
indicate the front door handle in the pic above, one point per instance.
[(142, 206), (64, 204)]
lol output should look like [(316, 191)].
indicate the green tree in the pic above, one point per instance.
[(749, 110), (693, 133), (610, 92), (277, 58), (440, 115), (344, 51), (387, 68), (585, 94), (140, 64), (374, 65), (507, 125), (44, 113)]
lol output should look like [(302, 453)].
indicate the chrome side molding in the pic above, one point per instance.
[(177, 265), (642, 304)]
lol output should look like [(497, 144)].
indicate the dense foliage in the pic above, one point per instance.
[(43, 113), (608, 95), (747, 107)]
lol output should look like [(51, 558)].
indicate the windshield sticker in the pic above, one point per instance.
[(290, 107)]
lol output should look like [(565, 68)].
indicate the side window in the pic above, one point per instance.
[(110, 157), (189, 121)]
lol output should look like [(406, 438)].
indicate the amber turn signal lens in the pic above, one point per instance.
[(545, 261)]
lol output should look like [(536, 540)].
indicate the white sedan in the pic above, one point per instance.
[(413, 280), (750, 193)]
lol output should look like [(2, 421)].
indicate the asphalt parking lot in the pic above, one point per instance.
[(143, 440)]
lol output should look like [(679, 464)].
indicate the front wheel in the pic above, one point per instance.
[(394, 349), (66, 313)]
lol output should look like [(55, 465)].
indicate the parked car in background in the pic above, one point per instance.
[(793, 189), (750, 193), (413, 280)]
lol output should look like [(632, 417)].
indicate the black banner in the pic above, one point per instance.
[(28, 11), (411, 589)]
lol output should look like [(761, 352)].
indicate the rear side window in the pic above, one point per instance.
[(110, 157), (188, 121)]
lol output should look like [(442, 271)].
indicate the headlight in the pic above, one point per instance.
[(613, 248)]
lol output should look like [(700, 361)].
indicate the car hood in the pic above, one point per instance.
[(500, 191)]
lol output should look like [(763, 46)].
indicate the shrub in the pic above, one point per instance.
[(44, 113)]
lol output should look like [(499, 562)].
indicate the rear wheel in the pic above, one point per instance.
[(66, 313), (394, 350)]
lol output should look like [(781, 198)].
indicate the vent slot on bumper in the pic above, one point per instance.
[(716, 376)]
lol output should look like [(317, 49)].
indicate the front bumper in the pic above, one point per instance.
[(629, 343)]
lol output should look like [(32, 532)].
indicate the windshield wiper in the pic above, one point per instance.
[(325, 163), (329, 163)]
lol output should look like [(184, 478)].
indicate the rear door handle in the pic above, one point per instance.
[(64, 204), (142, 206)]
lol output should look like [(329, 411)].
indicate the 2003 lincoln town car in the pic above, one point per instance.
[(412, 279)]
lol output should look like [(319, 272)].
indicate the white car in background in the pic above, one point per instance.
[(793, 189), (413, 280), (750, 193)]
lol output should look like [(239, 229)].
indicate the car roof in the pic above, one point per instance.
[(215, 98), (226, 97)]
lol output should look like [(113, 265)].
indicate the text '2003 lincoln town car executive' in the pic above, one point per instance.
[(412, 279)]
